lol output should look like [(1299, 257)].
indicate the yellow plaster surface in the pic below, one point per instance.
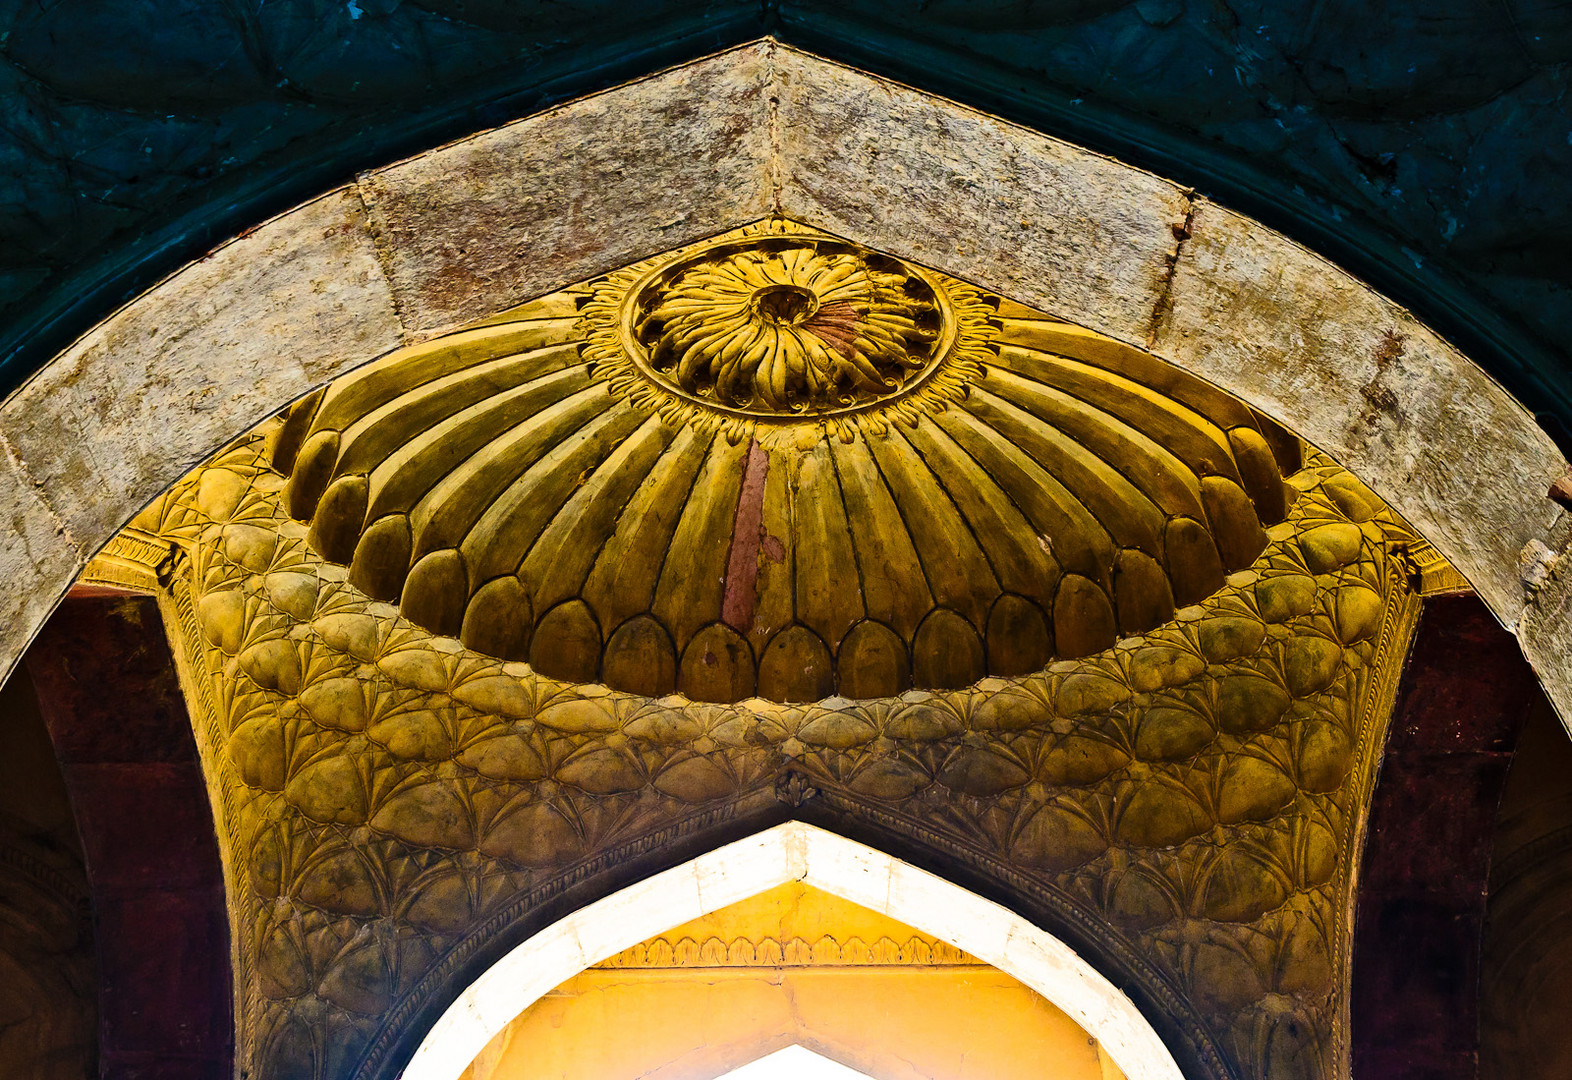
[(794, 911)]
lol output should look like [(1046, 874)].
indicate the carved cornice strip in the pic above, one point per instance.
[(772, 952), (1435, 576), (68, 888), (133, 560), (1549, 848), (178, 609), (1382, 681)]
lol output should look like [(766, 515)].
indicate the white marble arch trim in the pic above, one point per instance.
[(794, 851), (471, 228)]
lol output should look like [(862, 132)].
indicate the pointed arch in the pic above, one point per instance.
[(793, 851)]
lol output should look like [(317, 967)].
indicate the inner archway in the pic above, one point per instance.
[(792, 982), (794, 1061), (857, 625), (784, 856)]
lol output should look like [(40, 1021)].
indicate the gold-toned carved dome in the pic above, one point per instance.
[(777, 464)]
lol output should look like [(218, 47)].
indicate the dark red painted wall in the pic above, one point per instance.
[(108, 692), (1461, 705)]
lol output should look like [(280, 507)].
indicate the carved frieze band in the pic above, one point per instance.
[(788, 952), (132, 560)]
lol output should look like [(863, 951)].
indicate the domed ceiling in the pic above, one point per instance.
[(776, 464)]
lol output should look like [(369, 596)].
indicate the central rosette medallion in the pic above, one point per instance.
[(792, 327), (785, 326)]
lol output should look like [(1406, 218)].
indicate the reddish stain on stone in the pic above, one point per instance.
[(742, 566)]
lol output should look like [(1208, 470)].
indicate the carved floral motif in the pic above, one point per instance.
[(781, 333), (790, 328)]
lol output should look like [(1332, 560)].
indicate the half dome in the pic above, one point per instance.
[(782, 465)]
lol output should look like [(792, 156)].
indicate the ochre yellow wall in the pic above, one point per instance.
[(952, 1018)]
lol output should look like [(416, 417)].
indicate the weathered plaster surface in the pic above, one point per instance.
[(507, 215), (1545, 633), (1041, 221), (476, 227), (153, 390), (1361, 378), (39, 558)]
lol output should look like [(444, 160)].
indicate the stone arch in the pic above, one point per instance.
[(791, 851), (405, 253)]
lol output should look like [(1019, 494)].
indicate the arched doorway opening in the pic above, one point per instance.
[(782, 866), (793, 1060), (793, 979)]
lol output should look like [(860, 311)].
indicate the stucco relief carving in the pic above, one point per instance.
[(796, 324), (1193, 782), (767, 951), (610, 484)]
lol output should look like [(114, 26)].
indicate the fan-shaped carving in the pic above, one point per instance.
[(591, 483)]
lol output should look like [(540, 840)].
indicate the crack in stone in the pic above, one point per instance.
[(384, 252), (11, 651), (1164, 303), (59, 522), (773, 167)]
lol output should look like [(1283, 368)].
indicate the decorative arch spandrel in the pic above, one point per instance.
[(1133, 645)]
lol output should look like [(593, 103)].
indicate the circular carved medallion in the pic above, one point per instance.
[(790, 326), (785, 327)]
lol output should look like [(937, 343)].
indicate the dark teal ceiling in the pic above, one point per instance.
[(1424, 144)]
